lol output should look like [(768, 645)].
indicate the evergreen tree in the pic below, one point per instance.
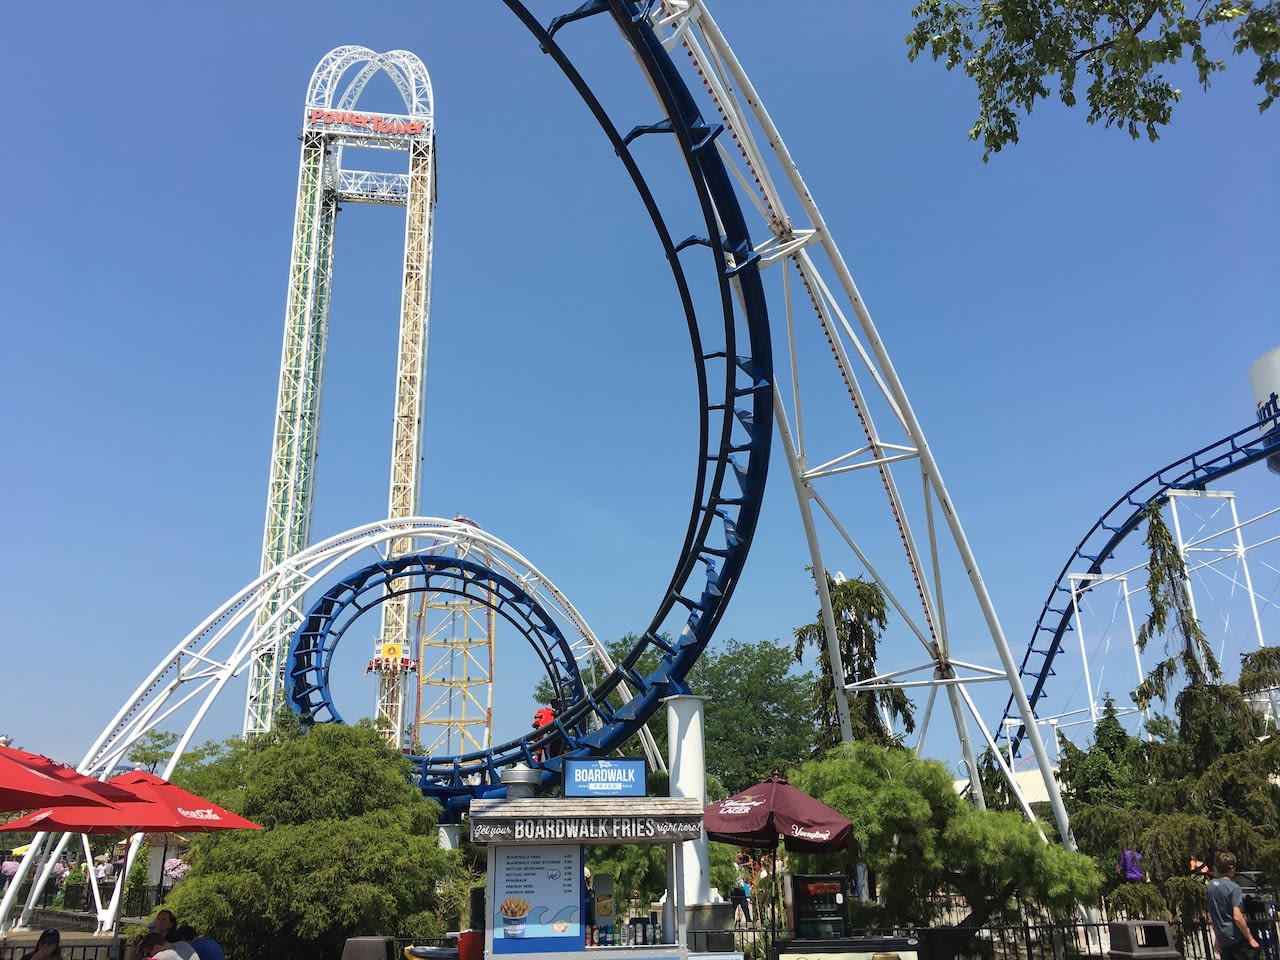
[(861, 615), (1210, 784), (1168, 592)]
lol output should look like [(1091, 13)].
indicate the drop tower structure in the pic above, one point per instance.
[(332, 123)]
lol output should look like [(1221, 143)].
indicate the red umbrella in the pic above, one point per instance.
[(164, 808), (192, 812), (28, 781), (773, 810)]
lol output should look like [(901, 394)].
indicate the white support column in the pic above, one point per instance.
[(686, 759)]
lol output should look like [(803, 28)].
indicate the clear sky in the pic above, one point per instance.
[(1067, 318)]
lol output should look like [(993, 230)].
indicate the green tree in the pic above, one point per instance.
[(1018, 52), (153, 749), (1167, 590), (348, 848), (757, 711), (919, 837), (1208, 784), (860, 616)]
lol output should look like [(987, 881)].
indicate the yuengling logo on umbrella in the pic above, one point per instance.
[(741, 804)]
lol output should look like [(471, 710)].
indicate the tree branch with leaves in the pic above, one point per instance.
[(1018, 51)]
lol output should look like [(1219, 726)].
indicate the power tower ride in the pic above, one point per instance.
[(332, 123)]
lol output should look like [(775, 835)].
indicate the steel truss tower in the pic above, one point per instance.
[(332, 123), (454, 711)]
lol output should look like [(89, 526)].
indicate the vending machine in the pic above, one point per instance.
[(817, 906)]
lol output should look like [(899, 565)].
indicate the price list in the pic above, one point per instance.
[(541, 886)]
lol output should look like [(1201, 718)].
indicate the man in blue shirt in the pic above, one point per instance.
[(1232, 937)]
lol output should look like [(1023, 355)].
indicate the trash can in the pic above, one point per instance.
[(368, 948), (1142, 940), (1260, 915)]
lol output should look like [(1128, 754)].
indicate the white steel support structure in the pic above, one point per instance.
[(1220, 584), (332, 123), (892, 452)]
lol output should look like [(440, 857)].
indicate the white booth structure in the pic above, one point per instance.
[(536, 890)]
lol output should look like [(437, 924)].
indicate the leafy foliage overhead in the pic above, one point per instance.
[(1018, 51), (757, 714)]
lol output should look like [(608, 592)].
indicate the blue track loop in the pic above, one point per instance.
[(733, 366), (311, 653), (1256, 442)]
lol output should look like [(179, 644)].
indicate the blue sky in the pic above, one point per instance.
[(1067, 318)]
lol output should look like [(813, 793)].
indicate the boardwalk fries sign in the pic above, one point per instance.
[(646, 820)]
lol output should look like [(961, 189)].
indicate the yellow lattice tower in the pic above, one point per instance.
[(455, 682)]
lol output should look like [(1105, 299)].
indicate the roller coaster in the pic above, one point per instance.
[(1255, 443), (708, 121)]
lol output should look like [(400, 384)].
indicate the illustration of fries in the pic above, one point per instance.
[(515, 907)]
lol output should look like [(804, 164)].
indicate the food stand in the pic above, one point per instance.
[(535, 889)]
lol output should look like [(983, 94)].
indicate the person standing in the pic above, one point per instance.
[(740, 897), (1232, 938)]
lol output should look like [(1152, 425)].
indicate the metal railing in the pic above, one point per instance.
[(1027, 940)]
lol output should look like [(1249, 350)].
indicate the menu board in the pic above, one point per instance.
[(537, 898)]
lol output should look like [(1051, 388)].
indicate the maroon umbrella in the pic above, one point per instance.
[(28, 781), (773, 810), (158, 807)]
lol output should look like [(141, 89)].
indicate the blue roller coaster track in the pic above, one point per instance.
[(1254, 443), (733, 364)]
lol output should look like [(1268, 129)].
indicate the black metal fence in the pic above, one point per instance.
[(137, 901), (108, 949), (1027, 940), (1030, 939)]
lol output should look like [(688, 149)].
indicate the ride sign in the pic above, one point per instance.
[(396, 126), (604, 778)]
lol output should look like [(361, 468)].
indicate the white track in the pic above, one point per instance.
[(831, 477)]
